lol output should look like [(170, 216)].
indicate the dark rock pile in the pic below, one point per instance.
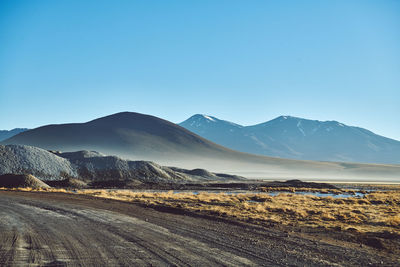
[(21, 180)]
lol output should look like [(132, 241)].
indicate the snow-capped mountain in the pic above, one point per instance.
[(297, 138), (205, 125)]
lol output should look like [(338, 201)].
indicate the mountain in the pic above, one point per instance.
[(297, 138), (209, 126), (126, 133), (137, 136), (4, 134)]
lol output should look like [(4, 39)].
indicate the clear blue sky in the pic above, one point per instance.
[(244, 61)]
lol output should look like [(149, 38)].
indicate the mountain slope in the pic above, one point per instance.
[(143, 137), (4, 134), (296, 138)]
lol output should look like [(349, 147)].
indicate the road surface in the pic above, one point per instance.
[(55, 229)]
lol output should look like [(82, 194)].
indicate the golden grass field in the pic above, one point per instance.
[(376, 212)]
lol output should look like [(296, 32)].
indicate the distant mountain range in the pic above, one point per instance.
[(137, 136), (4, 134), (297, 138)]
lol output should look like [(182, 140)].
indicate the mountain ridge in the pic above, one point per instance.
[(298, 138), (5, 134)]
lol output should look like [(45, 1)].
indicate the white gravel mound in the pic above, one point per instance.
[(89, 166), (95, 166), (21, 159)]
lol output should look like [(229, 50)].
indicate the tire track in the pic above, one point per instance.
[(98, 237)]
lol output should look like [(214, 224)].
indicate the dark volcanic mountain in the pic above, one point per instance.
[(143, 137), (127, 134), (296, 138), (4, 134)]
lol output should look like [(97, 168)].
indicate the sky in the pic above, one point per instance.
[(242, 61)]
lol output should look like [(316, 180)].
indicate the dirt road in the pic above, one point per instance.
[(50, 229)]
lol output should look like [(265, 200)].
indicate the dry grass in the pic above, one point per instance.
[(305, 189), (376, 212), (370, 186)]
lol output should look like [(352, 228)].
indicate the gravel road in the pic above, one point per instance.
[(54, 229)]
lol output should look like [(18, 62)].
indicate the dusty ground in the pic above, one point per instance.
[(41, 228), (374, 212)]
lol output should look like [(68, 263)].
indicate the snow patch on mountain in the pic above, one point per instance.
[(300, 129), (208, 118)]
